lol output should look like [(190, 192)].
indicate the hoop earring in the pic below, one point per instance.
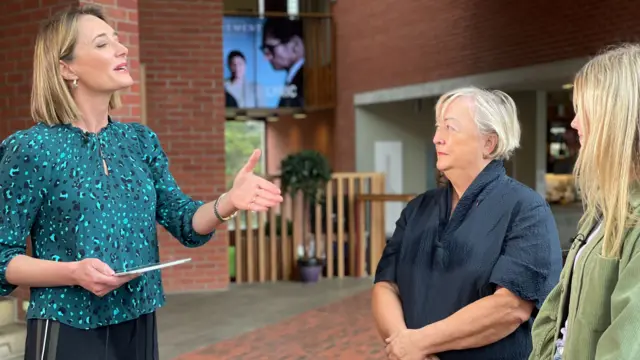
[(75, 83)]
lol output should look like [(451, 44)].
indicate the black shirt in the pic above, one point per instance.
[(501, 233)]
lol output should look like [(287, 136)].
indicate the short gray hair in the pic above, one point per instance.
[(494, 111)]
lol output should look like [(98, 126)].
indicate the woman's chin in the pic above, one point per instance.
[(127, 83), (442, 166), (123, 81)]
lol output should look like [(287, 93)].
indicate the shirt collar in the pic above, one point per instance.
[(294, 70)]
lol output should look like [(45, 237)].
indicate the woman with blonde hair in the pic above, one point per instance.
[(470, 262), (594, 312), (90, 190)]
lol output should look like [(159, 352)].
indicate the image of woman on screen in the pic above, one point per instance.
[(245, 93)]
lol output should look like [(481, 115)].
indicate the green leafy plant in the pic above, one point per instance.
[(278, 224), (305, 172)]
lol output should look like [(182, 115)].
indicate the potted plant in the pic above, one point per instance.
[(306, 172), (278, 225)]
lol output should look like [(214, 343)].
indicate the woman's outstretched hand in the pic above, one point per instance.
[(251, 192)]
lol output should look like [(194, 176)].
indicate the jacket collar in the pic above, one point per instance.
[(474, 194), (488, 175), (634, 196)]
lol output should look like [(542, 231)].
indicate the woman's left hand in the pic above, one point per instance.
[(403, 345), (251, 192)]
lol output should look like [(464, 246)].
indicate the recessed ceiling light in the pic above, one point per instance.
[(567, 86)]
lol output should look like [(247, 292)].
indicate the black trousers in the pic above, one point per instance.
[(132, 340)]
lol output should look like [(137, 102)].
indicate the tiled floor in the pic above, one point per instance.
[(342, 330), (189, 322), (289, 320)]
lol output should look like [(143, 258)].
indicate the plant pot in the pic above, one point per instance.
[(310, 270), (310, 273)]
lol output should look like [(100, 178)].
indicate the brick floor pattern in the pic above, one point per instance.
[(341, 330)]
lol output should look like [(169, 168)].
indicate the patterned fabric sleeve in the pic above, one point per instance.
[(23, 182), (174, 209)]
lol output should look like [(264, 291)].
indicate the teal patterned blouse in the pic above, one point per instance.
[(55, 188)]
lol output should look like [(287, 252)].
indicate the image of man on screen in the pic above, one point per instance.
[(283, 47)]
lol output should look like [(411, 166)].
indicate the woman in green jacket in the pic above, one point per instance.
[(594, 311)]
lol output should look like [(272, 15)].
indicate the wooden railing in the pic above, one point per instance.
[(266, 244), (377, 228)]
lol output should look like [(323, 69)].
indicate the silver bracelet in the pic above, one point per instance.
[(217, 213)]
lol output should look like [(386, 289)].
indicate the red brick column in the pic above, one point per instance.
[(181, 47), (18, 30)]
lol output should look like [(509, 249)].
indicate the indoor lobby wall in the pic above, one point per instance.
[(528, 164), (412, 123), (378, 47), (289, 135)]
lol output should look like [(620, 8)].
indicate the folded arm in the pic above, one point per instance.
[(385, 298), (526, 271), (387, 309), (478, 324)]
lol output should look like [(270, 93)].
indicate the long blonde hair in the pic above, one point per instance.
[(607, 101), (51, 100)]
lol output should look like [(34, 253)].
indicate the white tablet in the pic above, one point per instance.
[(143, 269)]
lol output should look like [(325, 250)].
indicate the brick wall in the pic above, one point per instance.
[(181, 47), (19, 21), (19, 24), (383, 43)]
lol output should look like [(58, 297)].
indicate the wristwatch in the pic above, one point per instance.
[(217, 213)]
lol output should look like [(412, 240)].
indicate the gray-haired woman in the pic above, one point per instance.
[(471, 262)]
